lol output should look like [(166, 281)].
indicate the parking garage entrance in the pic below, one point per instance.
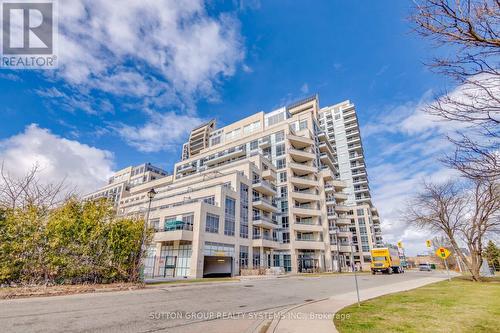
[(217, 266)]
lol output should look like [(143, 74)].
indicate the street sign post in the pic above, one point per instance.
[(428, 243), (443, 253)]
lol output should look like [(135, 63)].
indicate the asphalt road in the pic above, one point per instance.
[(191, 308)]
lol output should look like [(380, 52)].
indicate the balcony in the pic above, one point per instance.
[(341, 247), (322, 136), (305, 196), (309, 244), (307, 226), (226, 155), (262, 240), (302, 169), (338, 185), (269, 175), (300, 142), (264, 187), (305, 211), (301, 155), (264, 143), (342, 220), (264, 221), (174, 230), (264, 204), (327, 159), (186, 168), (303, 182), (340, 196), (342, 208), (327, 174)]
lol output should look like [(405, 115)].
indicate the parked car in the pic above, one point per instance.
[(424, 267)]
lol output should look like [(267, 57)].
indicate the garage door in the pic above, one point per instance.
[(217, 266)]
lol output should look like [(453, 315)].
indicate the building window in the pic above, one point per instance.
[(284, 206), (256, 258), (284, 222), (280, 149), (283, 192), (188, 220), (279, 136), (360, 212), (254, 145), (229, 216), (209, 200), (280, 164), (302, 125), (243, 211), (286, 237), (212, 223), (243, 257), (282, 176), (215, 140)]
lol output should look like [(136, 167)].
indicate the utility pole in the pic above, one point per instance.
[(151, 195)]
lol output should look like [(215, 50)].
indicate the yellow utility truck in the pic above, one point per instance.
[(386, 260)]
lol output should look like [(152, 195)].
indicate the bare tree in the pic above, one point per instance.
[(471, 29), (461, 213), (19, 192)]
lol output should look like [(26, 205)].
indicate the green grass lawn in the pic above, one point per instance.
[(456, 306)]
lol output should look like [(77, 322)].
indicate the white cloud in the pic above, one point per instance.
[(410, 143), (305, 88), (119, 46), (83, 166), (162, 132)]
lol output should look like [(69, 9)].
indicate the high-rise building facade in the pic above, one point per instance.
[(340, 123), (261, 193)]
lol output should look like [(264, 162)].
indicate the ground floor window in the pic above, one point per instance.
[(243, 257), (256, 258)]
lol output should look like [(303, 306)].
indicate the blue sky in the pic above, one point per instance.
[(129, 90)]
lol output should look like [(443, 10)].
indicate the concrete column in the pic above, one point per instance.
[(158, 259), (262, 258)]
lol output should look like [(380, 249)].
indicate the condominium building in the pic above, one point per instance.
[(340, 124), (120, 184), (261, 193)]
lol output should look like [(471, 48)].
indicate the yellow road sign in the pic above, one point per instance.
[(400, 244), (442, 253), (428, 243)]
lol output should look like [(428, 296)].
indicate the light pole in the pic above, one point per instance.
[(151, 195), (354, 269), (339, 268)]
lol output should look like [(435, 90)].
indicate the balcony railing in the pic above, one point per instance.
[(174, 226)]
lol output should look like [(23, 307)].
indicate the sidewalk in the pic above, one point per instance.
[(317, 316)]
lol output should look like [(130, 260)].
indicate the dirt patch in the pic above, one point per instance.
[(59, 290)]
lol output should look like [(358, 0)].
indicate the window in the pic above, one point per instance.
[(251, 127), (360, 212), (155, 224), (209, 200), (229, 216), (243, 257), (286, 237), (284, 206), (302, 125), (282, 176), (361, 221), (212, 223), (281, 163), (244, 211), (284, 222), (215, 141), (279, 136), (187, 220), (280, 149), (283, 192), (254, 145)]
